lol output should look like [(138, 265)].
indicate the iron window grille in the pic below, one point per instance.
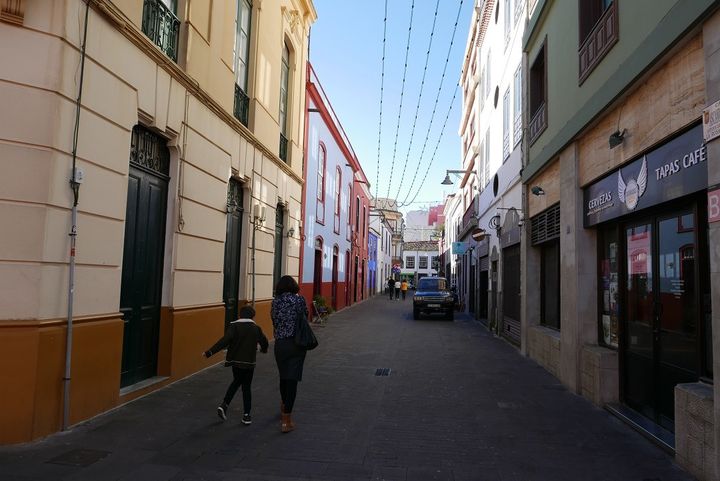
[(283, 148), (148, 150), (161, 26), (241, 106)]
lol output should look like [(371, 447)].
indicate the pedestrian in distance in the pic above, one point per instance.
[(391, 287), (241, 339), (287, 309), (404, 288), (397, 290)]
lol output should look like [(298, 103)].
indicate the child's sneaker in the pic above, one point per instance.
[(222, 411), (246, 419)]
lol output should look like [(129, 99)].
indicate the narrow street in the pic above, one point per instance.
[(458, 404)]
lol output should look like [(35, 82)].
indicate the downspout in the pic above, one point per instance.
[(75, 181)]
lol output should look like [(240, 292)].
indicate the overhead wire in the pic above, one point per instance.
[(417, 106), (402, 94), (382, 86), (437, 98), (442, 131)]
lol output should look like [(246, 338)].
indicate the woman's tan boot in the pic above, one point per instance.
[(287, 425)]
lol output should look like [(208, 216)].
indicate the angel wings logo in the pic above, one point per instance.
[(630, 192)]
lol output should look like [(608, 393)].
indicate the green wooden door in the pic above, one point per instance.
[(142, 271), (233, 233)]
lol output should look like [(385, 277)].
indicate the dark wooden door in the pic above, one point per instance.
[(141, 287), (233, 240), (279, 229)]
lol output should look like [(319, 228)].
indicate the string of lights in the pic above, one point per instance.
[(402, 94), (417, 106), (437, 145), (437, 98), (382, 86)]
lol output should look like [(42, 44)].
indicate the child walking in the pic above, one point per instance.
[(241, 339)]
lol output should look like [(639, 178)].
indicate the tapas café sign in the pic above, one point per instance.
[(675, 169)]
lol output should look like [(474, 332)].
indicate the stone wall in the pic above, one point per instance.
[(599, 375), (544, 348), (695, 429)]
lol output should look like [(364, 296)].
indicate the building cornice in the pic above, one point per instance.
[(125, 26)]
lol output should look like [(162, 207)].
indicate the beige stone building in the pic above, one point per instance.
[(188, 154)]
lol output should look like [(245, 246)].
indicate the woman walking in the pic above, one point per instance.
[(287, 307)]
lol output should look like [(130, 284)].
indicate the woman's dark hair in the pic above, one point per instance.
[(286, 284)]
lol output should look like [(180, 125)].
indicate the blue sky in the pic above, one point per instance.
[(346, 52)]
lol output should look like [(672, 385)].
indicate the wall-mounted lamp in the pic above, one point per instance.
[(537, 190), (616, 138)]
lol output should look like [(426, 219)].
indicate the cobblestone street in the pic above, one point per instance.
[(458, 404)]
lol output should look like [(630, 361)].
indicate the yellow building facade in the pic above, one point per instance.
[(187, 146)]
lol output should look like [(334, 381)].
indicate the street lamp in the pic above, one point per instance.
[(447, 180)]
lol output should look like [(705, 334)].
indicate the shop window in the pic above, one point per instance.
[(608, 282), (538, 94), (598, 32)]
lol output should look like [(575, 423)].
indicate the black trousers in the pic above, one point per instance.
[(288, 392), (241, 377)]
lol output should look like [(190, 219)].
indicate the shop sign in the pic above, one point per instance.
[(711, 121), (459, 248), (675, 169), (714, 205)]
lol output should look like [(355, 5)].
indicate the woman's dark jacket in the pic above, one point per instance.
[(241, 339)]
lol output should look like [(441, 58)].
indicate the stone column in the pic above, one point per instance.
[(529, 281), (578, 276), (711, 47)]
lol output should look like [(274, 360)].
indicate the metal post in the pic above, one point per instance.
[(254, 222), (75, 186)]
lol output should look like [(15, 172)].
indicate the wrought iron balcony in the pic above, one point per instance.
[(161, 26), (241, 105), (283, 148)]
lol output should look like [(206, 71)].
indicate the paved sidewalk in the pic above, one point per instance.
[(457, 405)]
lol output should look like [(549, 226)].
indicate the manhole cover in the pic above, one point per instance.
[(79, 457), (382, 371)]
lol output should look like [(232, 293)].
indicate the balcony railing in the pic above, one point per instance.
[(241, 105), (601, 38), (517, 134), (283, 148), (538, 123), (161, 26), (470, 214), (506, 146)]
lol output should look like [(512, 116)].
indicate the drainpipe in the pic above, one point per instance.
[(75, 181)]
